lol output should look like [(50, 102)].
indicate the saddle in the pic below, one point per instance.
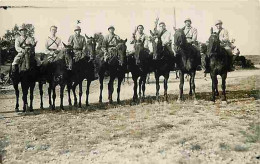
[(25, 63)]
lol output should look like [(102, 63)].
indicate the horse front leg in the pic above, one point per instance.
[(143, 86), (119, 88), (32, 86), (135, 88), (101, 80), (80, 93), (190, 93), (53, 96), (69, 86), (140, 86), (49, 94), (166, 77), (213, 78), (111, 89), (25, 88), (15, 84), (157, 86), (61, 96), (181, 75), (217, 93), (41, 94), (224, 77), (87, 92), (74, 94), (193, 87)]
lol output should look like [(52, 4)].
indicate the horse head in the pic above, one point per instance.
[(213, 43), (29, 55), (68, 55), (180, 38), (156, 39), (91, 45), (139, 49), (121, 50)]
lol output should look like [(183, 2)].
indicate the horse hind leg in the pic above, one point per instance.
[(32, 86), (213, 78), (101, 80), (87, 92), (166, 77), (118, 89), (17, 96), (80, 94), (140, 87), (111, 89), (181, 75), (61, 96), (157, 86), (193, 87), (224, 98), (143, 86), (53, 97), (216, 89), (25, 88), (190, 93), (41, 94)]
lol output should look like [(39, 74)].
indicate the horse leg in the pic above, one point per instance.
[(80, 93), (41, 94), (181, 75), (111, 89), (31, 96), (49, 93), (143, 85), (166, 77), (176, 73), (17, 96), (118, 88), (101, 79), (74, 94), (217, 93), (87, 92), (69, 98), (190, 93), (148, 78), (140, 86), (53, 96), (25, 88), (193, 86), (213, 78), (61, 96), (224, 76), (157, 86), (135, 88)]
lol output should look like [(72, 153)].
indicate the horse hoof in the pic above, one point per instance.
[(118, 102), (16, 109), (53, 107), (224, 102), (87, 104), (62, 108), (196, 102)]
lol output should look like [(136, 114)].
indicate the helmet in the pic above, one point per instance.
[(77, 28), (22, 27), (218, 22), (110, 27), (187, 19)]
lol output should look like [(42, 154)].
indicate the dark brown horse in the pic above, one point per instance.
[(58, 73), (139, 64), (27, 75), (114, 69), (83, 68), (187, 59), (218, 64), (163, 64)]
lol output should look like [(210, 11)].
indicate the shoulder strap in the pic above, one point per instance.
[(53, 41), (111, 39), (187, 32), (23, 41)]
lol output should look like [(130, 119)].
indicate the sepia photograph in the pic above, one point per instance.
[(129, 81)]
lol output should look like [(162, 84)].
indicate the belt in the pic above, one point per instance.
[(189, 37), (78, 49), (52, 49)]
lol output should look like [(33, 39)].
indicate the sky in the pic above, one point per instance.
[(240, 18)]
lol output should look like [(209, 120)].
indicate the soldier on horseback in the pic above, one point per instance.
[(53, 45), (109, 44), (165, 36), (224, 43), (140, 36), (20, 43), (190, 33)]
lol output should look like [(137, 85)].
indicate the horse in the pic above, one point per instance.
[(114, 70), (83, 68), (218, 65), (163, 64), (27, 75), (58, 73), (187, 59), (139, 64)]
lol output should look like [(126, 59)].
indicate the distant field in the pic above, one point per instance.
[(254, 58)]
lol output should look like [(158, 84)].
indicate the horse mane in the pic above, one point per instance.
[(180, 38), (214, 44)]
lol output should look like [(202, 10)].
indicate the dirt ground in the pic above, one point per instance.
[(149, 132)]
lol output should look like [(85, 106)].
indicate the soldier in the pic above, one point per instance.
[(165, 36), (20, 45), (109, 43), (78, 42), (190, 33), (53, 44), (139, 35)]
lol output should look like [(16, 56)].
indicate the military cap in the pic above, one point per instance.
[(140, 26), (161, 23), (110, 27), (187, 19), (53, 26), (22, 28), (77, 28), (218, 22)]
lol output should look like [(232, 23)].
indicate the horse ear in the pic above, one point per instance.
[(64, 45), (125, 40), (87, 36), (151, 33), (35, 44), (211, 30)]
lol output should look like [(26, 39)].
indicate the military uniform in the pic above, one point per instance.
[(166, 41), (109, 45), (20, 43), (52, 47), (143, 38), (79, 45)]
